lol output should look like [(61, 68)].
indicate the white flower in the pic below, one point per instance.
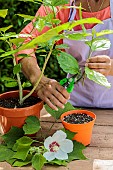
[(58, 146)]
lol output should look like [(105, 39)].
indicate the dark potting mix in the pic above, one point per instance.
[(14, 102), (79, 118)]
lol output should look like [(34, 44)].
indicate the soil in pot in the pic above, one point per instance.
[(78, 118), (13, 102)]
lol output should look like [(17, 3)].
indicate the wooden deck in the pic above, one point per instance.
[(101, 146)]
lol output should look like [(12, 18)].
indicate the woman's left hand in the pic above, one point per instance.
[(100, 63)]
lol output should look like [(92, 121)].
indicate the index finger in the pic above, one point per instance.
[(60, 89), (99, 59)]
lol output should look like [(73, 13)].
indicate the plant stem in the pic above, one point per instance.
[(51, 127), (90, 53), (80, 14), (19, 83), (41, 75), (18, 78)]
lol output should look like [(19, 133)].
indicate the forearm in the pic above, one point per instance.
[(30, 69)]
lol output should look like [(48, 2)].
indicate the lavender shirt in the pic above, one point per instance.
[(91, 94)]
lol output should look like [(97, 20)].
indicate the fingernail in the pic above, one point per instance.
[(62, 107), (56, 109)]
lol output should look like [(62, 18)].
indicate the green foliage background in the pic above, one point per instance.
[(53, 69)]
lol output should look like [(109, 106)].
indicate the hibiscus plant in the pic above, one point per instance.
[(18, 148)]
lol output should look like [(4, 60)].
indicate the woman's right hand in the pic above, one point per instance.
[(49, 90), (52, 93)]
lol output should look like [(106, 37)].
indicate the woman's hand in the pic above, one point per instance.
[(52, 93), (101, 64)]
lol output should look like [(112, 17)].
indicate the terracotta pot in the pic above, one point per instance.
[(84, 131), (16, 117)]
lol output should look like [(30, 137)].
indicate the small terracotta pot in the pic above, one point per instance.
[(84, 131), (16, 116)]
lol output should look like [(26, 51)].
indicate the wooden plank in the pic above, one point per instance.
[(6, 166), (104, 117), (98, 153), (102, 136)]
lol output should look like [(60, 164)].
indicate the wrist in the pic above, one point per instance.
[(42, 83)]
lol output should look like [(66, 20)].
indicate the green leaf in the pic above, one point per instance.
[(70, 134), (55, 31), (57, 114), (5, 153), (11, 161), (26, 84), (55, 2), (20, 163), (22, 147), (61, 46), (100, 44), (56, 21), (26, 17), (89, 43), (16, 37), (23, 142), (8, 35), (38, 161), (8, 53), (32, 125), (68, 63), (22, 152), (86, 21), (11, 84), (4, 78), (59, 3), (78, 36), (97, 77), (39, 24), (4, 29), (3, 13), (104, 32), (2, 51), (11, 137), (17, 41), (39, 0), (77, 154), (17, 68), (27, 0), (26, 141)]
